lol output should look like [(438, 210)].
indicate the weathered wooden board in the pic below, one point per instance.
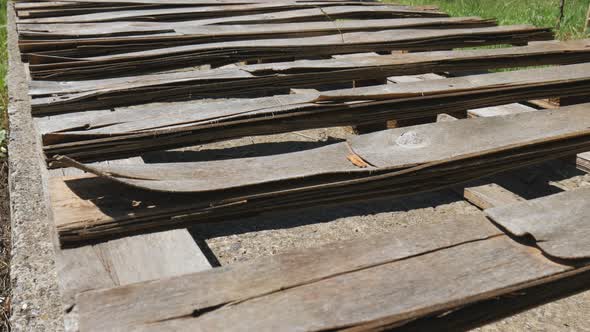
[(49, 67), (490, 195), (89, 34), (123, 261), (158, 126), (381, 285), (57, 8), (500, 110), (583, 161), (168, 36), (559, 223), (103, 3), (390, 149), (76, 12), (420, 160), (267, 78), (297, 15)]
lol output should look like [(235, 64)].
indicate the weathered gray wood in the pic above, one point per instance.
[(241, 281), (500, 110), (558, 223), (21, 5), (88, 34), (296, 15), (126, 260), (391, 149), (490, 195), (61, 12), (40, 41), (120, 262), (148, 127), (280, 75), (356, 42), (583, 161), (349, 286), (409, 166), (176, 2)]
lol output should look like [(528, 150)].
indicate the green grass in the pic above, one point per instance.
[(542, 13)]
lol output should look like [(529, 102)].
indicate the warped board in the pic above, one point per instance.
[(133, 130), (382, 283), (275, 77), (558, 223), (86, 34), (104, 3), (253, 7), (123, 261), (225, 14), (393, 162), (53, 68), (56, 6), (159, 36)]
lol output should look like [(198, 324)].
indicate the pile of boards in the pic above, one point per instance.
[(454, 274), (114, 79), (129, 131), (387, 163)]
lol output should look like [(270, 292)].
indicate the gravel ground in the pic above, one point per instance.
[(4, 249), (247, 239)]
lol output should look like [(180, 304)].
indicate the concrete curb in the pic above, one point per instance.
[(36, 302)]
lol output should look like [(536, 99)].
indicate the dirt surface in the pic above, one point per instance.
[(4, 249), (247, 239)]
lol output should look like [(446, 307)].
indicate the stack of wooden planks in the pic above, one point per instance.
[(132, 130), (114, 79), (393, 162), (374, 284)]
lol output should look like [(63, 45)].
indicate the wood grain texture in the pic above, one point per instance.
[(583, 161), (130, 131), (209, 14), (394, 149), (395, 171), (241, 281), (122, 261), (490, 195), (57, 38), (500, 110), (54, 68), (558, 223), (275, 77), (387, 291)]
